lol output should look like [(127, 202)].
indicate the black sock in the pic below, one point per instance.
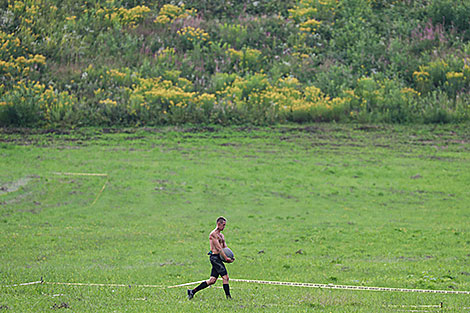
[(227, 290), (200, 287)]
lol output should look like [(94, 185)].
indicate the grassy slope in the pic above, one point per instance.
[(379, 206)]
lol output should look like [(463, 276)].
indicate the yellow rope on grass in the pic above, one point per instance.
[(88, 174)]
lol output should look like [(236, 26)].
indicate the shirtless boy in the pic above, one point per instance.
[(217, 243)]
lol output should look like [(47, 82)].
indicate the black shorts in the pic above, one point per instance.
[(218, 267)]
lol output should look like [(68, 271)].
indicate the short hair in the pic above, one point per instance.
[(221, 219)]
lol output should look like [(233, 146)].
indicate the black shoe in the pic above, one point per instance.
[(190, 294), (229, 297)]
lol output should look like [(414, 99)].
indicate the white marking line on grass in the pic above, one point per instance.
[(80, 174), (187, 284), (330, 286), (84, 284), (104, 285), (417, 306), (266, 282), (24, 284)]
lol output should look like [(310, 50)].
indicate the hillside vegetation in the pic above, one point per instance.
[(137, 62)]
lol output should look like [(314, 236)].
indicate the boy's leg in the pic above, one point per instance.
[(226, 286), (201, 286)]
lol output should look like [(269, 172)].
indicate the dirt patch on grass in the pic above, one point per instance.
[(370, 128), (230, 144), (33, 131), (118, 131), (304, 129), (62, 305), (171, 263), (32, 211), (14, 186), (283, 195), (202, 129), (134, 138)]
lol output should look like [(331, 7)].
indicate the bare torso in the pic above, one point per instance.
[(217, 241)]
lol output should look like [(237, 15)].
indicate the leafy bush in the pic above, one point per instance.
[(453, 14), (382, 100), (34, 104), (142, 62), (451, 75)]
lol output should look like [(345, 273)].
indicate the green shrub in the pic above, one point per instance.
[(235, 35), (332, 80), (382, 100), (142, 62), (438, 108), (453, 14), (33, 104)]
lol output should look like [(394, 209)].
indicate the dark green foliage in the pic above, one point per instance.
[(399, 42), (452, 14)]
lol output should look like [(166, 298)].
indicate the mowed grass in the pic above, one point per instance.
[(384, 206)]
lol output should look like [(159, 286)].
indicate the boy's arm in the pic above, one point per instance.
[(213, 238), (224, 245)]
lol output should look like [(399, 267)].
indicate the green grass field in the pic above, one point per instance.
[(384, 206)]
